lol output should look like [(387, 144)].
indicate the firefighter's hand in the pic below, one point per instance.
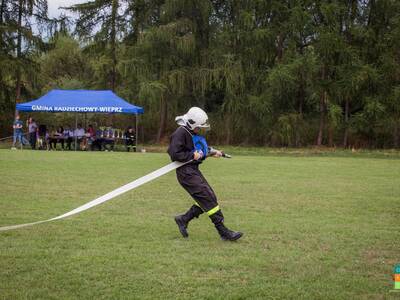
[(197, 155)]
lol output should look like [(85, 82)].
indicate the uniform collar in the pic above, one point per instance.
[(188, 130)]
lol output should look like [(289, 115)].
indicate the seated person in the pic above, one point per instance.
[(79, 136), (68, 137), (41, 140), (89, 137), (130, 139), (97, 141), (109, 140), (59, 135), (51, 138), (47, 139)]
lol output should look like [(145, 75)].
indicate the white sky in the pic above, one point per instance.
[(54, 5)]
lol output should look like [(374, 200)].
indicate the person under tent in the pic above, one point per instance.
[(51, 139), (32, 130), (97, 142), (130, 139), (109, 139), (68, 136), (79, 135), (42, 140), (90, 136)]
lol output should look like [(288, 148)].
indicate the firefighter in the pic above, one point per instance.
[(184, 146)]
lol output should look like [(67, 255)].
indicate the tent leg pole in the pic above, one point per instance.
[(136, 130), (76, 126)]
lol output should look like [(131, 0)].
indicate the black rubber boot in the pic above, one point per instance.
[(183, 220), (225, 233)]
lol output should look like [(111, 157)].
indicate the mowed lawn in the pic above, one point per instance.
[(316, 227)]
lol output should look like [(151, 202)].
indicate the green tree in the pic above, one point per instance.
[(64, 63), (18, 47), (102, 24)]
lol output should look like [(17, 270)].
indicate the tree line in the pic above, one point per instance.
[(269, 72)]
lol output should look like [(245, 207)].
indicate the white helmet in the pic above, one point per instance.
[(194, 118)]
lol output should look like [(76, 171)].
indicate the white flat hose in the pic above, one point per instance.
[(123, 189)]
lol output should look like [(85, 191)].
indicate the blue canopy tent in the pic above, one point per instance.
[(81, 101)]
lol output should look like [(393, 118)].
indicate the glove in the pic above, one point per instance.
[(198, 155)]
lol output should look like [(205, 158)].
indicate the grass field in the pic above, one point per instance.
[(316, 227)]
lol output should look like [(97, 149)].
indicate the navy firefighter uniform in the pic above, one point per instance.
[(184, 143)]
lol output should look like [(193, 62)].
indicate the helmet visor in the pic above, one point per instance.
[(205, 126)]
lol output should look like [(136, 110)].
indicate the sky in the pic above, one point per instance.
[(54, 5)]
